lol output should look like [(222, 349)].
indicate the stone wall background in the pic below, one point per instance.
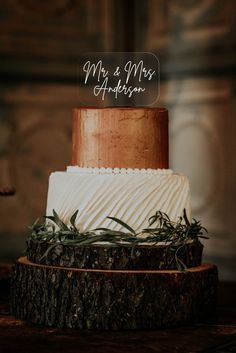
[(41, 43)]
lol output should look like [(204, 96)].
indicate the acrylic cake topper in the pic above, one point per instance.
[(119, 79)]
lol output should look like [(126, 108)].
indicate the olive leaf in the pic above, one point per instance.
[(55, 218), (73, 219), (123, 224)]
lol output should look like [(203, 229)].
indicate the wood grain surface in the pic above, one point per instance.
[(112, 299), (20, 336), (139, 257)]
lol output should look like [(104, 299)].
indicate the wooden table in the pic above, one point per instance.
[(20, 337)]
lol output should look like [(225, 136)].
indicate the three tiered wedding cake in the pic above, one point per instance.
[(118, 238)]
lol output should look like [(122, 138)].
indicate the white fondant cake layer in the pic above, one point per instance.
[(132, 197)]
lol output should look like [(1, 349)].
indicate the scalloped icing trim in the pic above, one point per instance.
[(117, 171)]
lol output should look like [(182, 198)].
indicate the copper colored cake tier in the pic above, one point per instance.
[(120, 137)]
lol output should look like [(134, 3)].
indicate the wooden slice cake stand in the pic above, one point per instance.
[(112, 299)]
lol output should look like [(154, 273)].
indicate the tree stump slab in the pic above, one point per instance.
[(141, 257), (112, 299)]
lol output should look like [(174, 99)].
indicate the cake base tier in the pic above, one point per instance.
[(141, 257), (112, 300)]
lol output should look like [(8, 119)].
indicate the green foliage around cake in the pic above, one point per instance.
[(160, 230)]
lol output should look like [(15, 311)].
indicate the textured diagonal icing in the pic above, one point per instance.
[(131, 195)]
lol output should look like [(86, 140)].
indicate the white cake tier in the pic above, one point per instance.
[(131, 195)]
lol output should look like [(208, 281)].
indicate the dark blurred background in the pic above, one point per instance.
[(41, 43)]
